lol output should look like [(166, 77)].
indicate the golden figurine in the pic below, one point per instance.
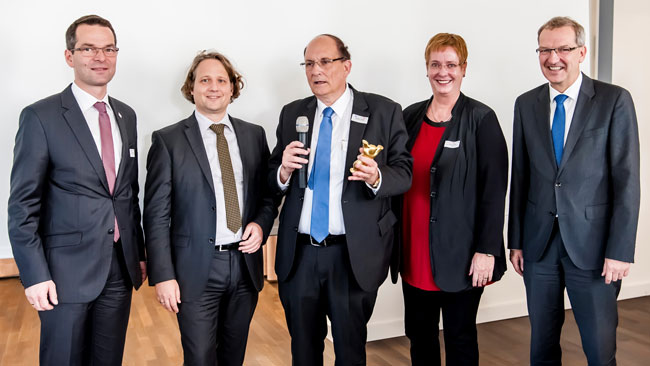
[(370, 151)]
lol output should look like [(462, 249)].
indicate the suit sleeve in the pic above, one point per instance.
[(28, 179), (492, 155), (135, 188), (396, 174), (624, 174), (157, 210), (275, 160), (267, 210), (518, 182)]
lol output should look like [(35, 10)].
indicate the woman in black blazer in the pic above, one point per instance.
[(450, 242)]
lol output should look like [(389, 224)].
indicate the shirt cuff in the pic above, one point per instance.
[(283, 186)]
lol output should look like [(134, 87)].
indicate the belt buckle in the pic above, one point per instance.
[(322, 244), (221, 248)]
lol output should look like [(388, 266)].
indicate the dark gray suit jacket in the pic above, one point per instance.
[(180, 206), (369, 220), (61, 214), (594, 192)]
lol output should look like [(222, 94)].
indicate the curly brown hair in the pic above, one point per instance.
[(235, 77)]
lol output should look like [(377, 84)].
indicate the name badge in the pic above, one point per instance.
[(452, 144), (132, 153), (359, 119)]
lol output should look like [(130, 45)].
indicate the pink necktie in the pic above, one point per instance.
[(108, 153)]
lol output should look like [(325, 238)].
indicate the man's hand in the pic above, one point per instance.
[(42, 296), (517, 260), (481, 269), (614, 270), (143, 270), (252, 238), (367, 170), (169, 295), (292, 159)]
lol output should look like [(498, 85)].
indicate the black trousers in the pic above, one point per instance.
[(593, 302), (90, 333), (214, 328), (322, 285), (422, 315)]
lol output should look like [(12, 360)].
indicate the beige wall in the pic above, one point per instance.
[(630, 59)]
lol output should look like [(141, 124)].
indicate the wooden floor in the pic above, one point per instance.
[(153, 337)]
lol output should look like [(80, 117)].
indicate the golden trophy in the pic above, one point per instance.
[(370, 151)]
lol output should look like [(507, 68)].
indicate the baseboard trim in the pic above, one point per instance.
[(507, 310), (8, 268)]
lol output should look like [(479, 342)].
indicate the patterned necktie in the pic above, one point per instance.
[(319, 180), (557, 129), (233, 216), (108, 153)]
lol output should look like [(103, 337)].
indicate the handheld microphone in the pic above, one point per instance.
[(302, 127)]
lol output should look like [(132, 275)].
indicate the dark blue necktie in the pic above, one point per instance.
[(319, 179), (557, 130)]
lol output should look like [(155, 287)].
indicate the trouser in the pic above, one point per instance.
[(214, 328), (323, 285), (90, 333), (421, 318), (593, 302)]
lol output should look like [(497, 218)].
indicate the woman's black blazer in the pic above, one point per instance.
[(468, 182)]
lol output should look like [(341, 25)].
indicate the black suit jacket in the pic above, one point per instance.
[(368, 218), (468, 186), (180, 205), (594, 192), (61, 213)]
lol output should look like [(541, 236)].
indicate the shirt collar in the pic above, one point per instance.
[(87, 101), (205, 122), (340, 105), (572, 92)]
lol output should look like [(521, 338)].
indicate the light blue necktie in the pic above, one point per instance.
[(319, 179), (557, 130)]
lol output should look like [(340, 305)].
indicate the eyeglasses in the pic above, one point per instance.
[(109, 51), (438, 66), (560, 51), (324, 63)]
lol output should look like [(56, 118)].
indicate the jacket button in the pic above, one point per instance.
[(434, 220), (433, 169), (558, 184), (345, 201), (111, 231), (212, 208), (211, 241), (434, 194), (295, 229), (302, 198)]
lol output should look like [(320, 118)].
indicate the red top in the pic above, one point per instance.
[(417, 208)]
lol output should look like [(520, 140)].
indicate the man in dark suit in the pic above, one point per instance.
[(206, 213), (74, 219), (574, 199), (335, 237)]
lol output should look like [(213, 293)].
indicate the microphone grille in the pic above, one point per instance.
[(302, 124)]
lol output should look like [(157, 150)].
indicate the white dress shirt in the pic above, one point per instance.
[(569, 104), (223, 234), (87, 105)]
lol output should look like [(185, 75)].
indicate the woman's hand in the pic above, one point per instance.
[(481, 269)]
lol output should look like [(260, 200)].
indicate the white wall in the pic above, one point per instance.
[(265, 40), (630, 70)]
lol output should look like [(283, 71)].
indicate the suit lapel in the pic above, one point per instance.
[(542, 118), (196, 144), (360, 108), (77, 123), (245, 151), (121, 124), (584, 106)]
